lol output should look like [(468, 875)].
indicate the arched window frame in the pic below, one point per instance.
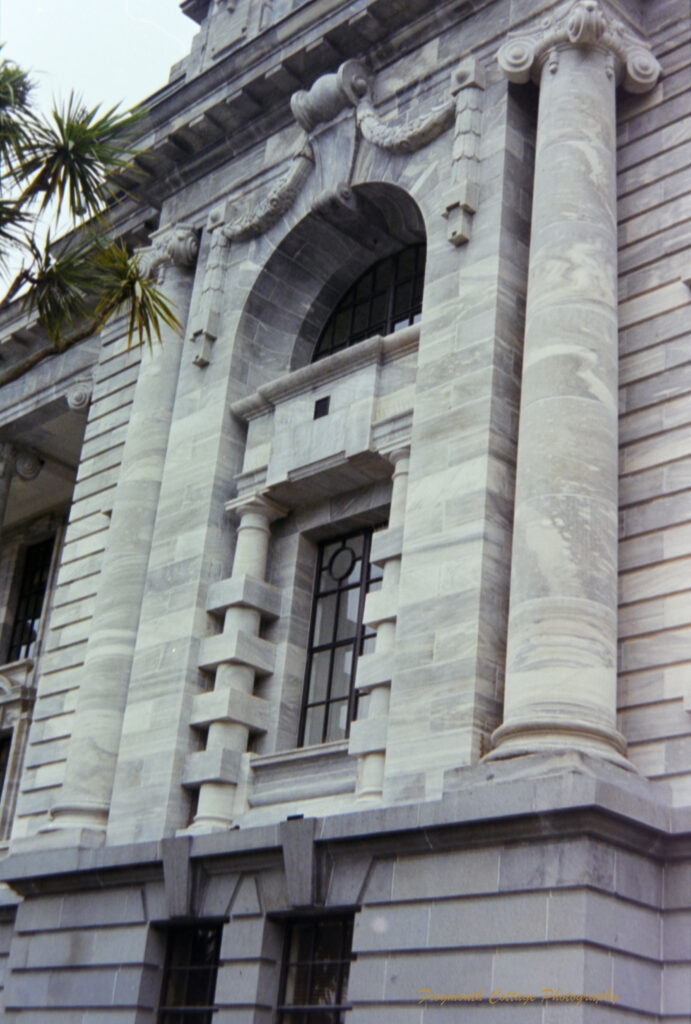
[(384, 298)]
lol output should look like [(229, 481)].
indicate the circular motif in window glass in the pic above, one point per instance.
[(342, 562)]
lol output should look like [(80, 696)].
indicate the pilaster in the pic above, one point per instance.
[(97, 723)]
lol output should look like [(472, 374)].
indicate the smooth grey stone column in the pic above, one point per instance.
[(562, 635), (104, 681)]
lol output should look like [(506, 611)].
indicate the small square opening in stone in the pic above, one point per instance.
[(321, 407)]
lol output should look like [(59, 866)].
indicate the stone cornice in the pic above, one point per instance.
[(540, 797), (584, 25)]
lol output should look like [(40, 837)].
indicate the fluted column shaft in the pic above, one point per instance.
[(97, 723), (562, 634)]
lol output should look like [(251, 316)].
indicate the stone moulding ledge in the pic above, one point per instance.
[(377, 349)]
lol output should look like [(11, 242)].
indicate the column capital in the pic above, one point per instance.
[(174, 245), (256, 504), (584, 26)]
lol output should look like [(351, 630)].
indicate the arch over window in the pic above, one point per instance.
[(386, 297)]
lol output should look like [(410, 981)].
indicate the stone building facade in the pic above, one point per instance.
[(348, 634)]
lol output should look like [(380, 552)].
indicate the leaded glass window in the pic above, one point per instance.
[(316, 963), (337, 637), (387, 297)]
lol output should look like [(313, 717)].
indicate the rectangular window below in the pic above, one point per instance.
[(316, 962), (189, 974), (32, 592)]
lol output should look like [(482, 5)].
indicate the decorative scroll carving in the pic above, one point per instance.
[(27, 464), (79, 394), (462, 200), (585, 25), (178, 245), (277, 202)]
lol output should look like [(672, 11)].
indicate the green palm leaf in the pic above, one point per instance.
[(71, 155)]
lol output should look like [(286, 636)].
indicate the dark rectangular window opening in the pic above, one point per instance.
[(32, 591), (317, 954), (337, 637), (321, 407), (5, 748), (189, 974)]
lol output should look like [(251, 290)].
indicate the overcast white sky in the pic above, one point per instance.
[(109, 51)]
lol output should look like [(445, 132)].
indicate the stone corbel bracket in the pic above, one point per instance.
[(205, 330), (632, 64)]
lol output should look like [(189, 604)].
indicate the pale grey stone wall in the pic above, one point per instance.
[(655, 420), (77, 581)]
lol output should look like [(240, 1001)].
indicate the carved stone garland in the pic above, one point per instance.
[(351, 86)]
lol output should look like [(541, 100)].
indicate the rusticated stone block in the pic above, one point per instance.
[(386, 544), (244, 592), (236, 648), (230, 706), (367, 736), (216, 765), (374, 670)]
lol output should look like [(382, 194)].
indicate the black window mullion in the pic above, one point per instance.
[(357, 642)]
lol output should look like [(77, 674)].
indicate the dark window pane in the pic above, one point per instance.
[(319, 676), (348, 614), (325, 619), (386, 297), (337, 638), (406, 263), (314, 725), (341, 671), (189, 975), (365, 285), (316, 962), (383, 272), (32, 591), (337, 724)]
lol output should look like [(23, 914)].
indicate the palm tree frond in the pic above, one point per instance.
[(63, 278), (124, 285), (72, 154)]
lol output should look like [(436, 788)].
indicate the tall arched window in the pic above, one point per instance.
[(387, 296)]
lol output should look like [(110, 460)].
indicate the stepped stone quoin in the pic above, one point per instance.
[(561, 682), (238, 655)]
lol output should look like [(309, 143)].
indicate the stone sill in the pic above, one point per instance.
[(377, 350), (303, 774)]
